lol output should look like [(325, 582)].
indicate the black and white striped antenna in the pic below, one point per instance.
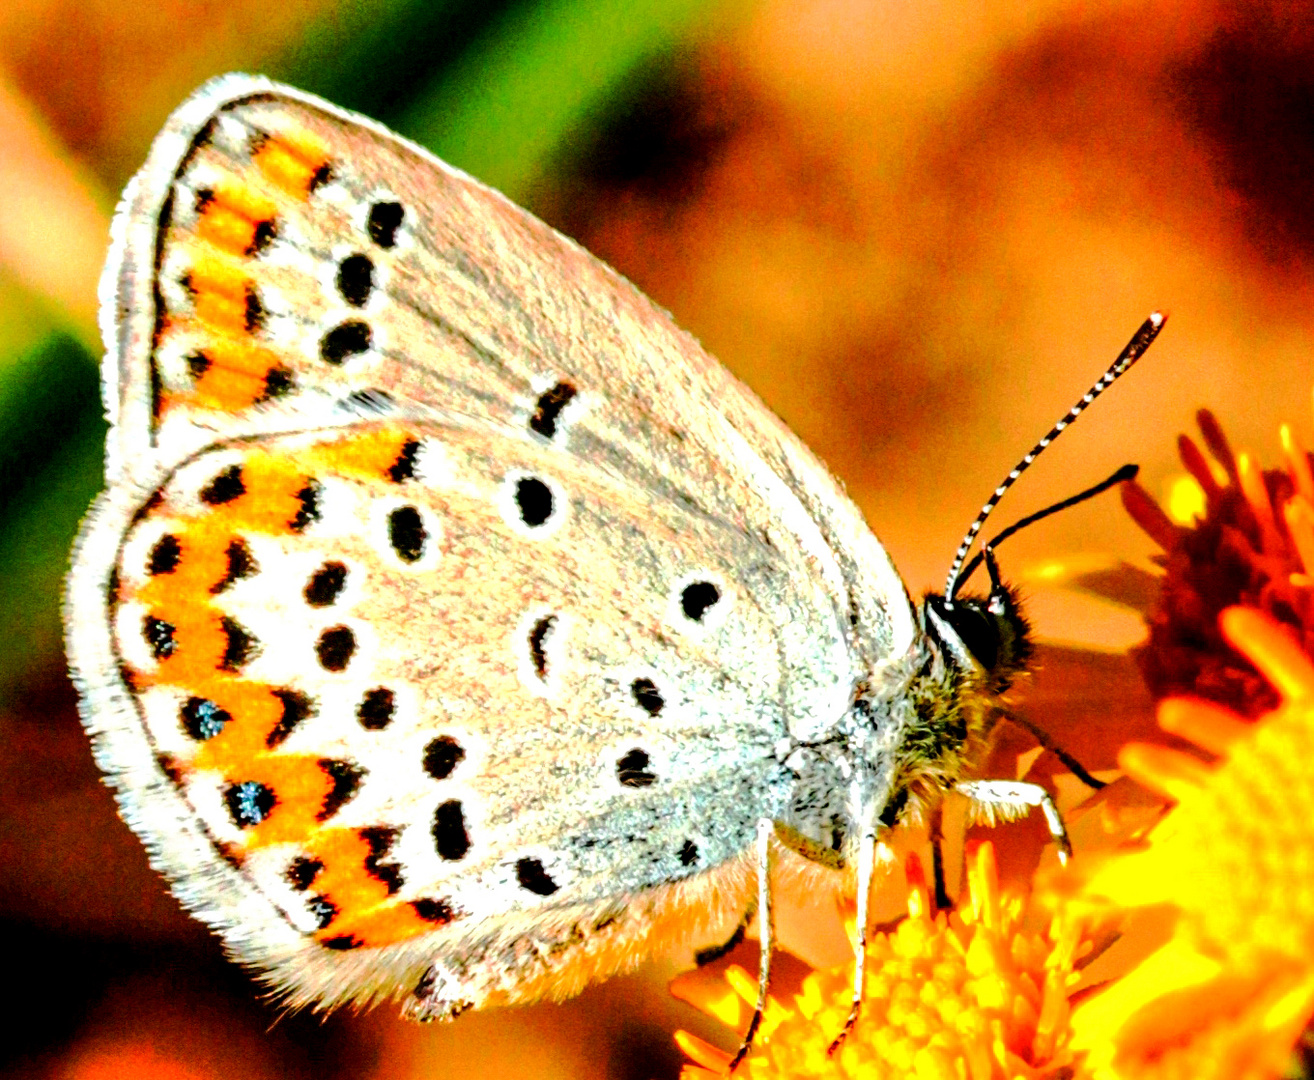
[(1140, 341)]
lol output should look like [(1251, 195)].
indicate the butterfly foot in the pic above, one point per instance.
[(435, 997)]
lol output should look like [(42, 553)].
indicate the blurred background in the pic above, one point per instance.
[(918, 231)]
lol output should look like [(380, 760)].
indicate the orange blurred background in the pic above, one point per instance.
[(917, 231)]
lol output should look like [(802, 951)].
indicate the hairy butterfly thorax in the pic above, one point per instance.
[(452, 627)]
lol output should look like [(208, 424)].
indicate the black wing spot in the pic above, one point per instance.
[(279, 382), (249, 803), (632, 770), (346, 777), (225, 487), (532, 876), (164, 556), (538, 644), (356, 279), (325, 584), (346, 339), (380, 840), (204, 197), (441, 756), (534, 500), (159, 636), (376, 709), (323, 909), (198, 363), (342, 943), (296, 708), (202, 719), (449, 833), (688, 853), (550, 404), (254, 311), (169, 765), (384, 221), (431, 909), (309, 510), (696, 598), (321, 176), (335, 648), (241, 563), (241, 645), (648, 696), (404, 467), (406, 533), (301, 873), (264, 235)]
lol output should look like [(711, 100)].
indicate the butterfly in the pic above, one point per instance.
[(453, 628)]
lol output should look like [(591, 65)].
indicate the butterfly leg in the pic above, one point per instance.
[(866, 867), (1012, 799), (936, 828), (766, 937)]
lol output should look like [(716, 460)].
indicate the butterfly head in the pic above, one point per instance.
[(982, 638)]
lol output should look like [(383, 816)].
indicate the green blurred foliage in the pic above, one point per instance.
[(502, 90)]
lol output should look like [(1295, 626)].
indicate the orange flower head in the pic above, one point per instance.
[(970, 989), (1254, 546)]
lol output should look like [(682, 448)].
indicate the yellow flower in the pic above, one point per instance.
[(967, 995), (1230, 992)]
